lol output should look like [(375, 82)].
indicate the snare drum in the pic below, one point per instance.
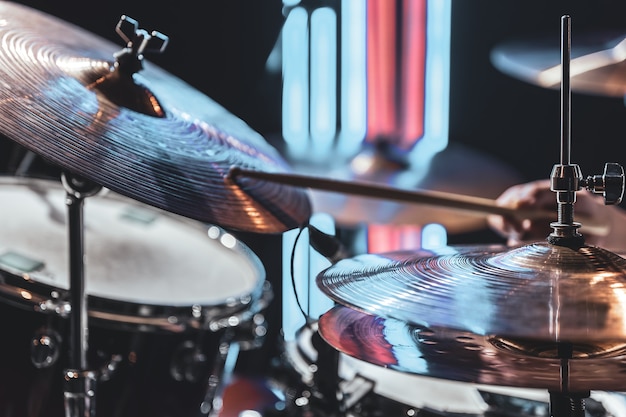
[(163, 295)]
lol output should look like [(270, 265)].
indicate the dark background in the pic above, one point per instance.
[(519, 122)]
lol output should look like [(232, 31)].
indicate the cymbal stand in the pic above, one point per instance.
[(80, 382), (566, 179), (565, 403)]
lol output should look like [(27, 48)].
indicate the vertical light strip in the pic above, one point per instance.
[(319, 303), (295, 107), (412, 73), (381, 67), (391, 237), (410, 237), (353, 77), (381, 238), (307, 264), (292, 317), (323, 82), (437, 91), (434, 236), (421, 86)]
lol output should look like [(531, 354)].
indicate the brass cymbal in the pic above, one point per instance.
[(469, 357), (67, 96), (541, 291), (597, 63)]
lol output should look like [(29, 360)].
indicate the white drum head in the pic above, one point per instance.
[(133, 253)]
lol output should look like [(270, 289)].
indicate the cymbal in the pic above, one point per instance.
[(597, 64), (457, 169), (144, 134), (469, 357), (537, 290)]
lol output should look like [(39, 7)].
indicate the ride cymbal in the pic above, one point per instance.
[(101, 112), (597, 63), (539, 291), (468, 357)]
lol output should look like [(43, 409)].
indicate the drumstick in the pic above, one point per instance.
[(480, 205)]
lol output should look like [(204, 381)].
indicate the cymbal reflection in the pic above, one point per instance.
[(469, 357)]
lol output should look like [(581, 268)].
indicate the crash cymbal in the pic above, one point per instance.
[(469, 357), (457, 169), (597, 63), (104, 113), (537, 290)]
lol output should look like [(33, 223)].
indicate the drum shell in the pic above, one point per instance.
[(142, 384)]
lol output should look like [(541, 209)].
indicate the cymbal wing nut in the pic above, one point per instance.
[(610, 184)]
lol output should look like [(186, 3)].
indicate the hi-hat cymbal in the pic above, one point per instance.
[(144, 134), (540, 291), (469, 357), (597, 63)]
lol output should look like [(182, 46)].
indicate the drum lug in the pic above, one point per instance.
[(45, 348), (251, 335), (57, 306), (109, 368), (80, 392)]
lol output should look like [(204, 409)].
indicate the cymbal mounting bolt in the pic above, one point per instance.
[(138, 41), (610, 184)]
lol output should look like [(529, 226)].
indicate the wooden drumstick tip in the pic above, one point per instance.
[(233, 172)]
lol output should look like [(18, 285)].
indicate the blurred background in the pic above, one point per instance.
[(223, 51)]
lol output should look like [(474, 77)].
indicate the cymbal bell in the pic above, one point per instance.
[(538, 290), (74, 99), (469, 357), (597, 65)]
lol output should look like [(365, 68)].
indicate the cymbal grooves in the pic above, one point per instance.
[(178, 162)]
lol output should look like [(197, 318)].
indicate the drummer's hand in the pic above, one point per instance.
[(535, 194), (598, 217)]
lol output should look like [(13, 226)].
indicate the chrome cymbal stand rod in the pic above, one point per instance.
[(566, 179), (80, 382), (566, 92)]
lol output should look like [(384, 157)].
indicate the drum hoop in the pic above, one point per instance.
[(31, 295)]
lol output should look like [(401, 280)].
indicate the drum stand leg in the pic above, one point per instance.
[(243, 336), (567, 404), (221, 374), (326, 375), (80, 383), (564, 403)]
